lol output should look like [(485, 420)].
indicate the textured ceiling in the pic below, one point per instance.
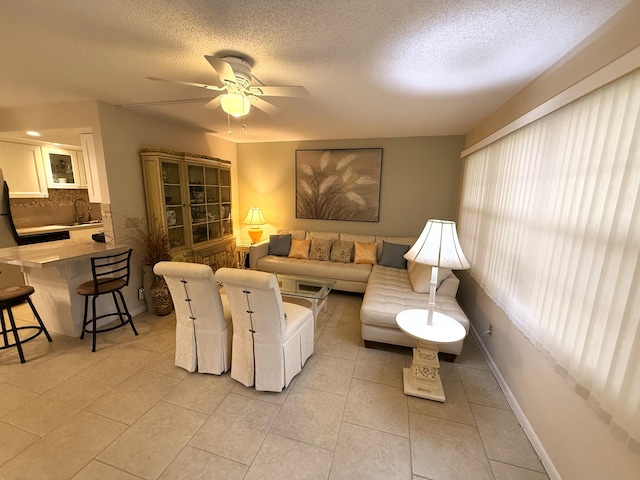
[(373, 68)]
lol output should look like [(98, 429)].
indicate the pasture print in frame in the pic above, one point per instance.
[(338, 184)]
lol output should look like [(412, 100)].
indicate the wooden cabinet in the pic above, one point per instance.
[(64, 168), (190, 196), (23, 169), (90, 170)]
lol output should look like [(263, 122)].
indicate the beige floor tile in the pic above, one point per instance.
[(237, 428), (155, 342), (379, 366), (482, 388), (504, 439), (194, 464), (311, 416), (65, 451), (455, 408), (48, 411), (338, 344), (13, 397), (14, 440), (128, 401), (471, 356), (363, 453), (443, 450), (121, 365), (282, 458), (151, 444), (502, 471), (165, 364), (200, 391), (381, 407), (277, 398), (100, 471), (447, 370), (329, 374), (40, 377)]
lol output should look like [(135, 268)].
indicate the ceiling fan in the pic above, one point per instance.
[(235, 75)]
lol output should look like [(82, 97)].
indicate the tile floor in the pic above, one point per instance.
[(126, 412)]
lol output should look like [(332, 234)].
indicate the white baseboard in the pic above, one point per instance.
[(515, 406)]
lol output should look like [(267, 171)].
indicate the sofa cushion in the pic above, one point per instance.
[(353, 237), (280, 244), (299, 249), (392, 255), (297, 234), (341, 251), (420, 276), (349, 272), (320, 249), (323, 235), (365, 252)]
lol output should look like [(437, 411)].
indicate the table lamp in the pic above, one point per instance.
[(438, 246), (254, 217)]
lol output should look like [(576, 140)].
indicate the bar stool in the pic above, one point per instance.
[(10, 297), (110, 275)]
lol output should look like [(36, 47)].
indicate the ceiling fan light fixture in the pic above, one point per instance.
[(235, 104)]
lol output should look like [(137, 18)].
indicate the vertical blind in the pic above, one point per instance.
[(549, 221)]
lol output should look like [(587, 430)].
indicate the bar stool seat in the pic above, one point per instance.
[(9, 297), (110, 275)]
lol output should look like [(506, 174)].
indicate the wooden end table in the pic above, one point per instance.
[(422, 379)]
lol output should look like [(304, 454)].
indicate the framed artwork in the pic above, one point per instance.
[(338, 184)]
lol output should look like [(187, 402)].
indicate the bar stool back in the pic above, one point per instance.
[(10, 297), (110, 275)]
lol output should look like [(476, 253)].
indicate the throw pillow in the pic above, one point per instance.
[(280, 245), (392, 255), (420, 276), (341, 251), (365, 253), (299, 249), (320, 249)]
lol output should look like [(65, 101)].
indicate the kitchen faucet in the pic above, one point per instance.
[(79, 217)]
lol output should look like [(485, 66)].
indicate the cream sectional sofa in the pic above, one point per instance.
[(387, 290)]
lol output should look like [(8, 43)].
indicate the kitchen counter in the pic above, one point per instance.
[(57, 228), (54, 270)]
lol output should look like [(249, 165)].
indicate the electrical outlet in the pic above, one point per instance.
[(141, 293)]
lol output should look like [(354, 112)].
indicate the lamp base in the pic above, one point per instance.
[(255, 234)]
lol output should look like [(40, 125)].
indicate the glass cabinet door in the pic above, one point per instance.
[(210, 212), (173, 203)]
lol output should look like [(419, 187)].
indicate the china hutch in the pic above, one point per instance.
[(190, 196)]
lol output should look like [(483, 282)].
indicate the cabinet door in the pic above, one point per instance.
[(174, 204), (89, 167), (210, 212), (62, 168), (23, 170)]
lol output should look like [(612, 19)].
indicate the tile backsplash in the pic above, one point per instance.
[(55, 210)]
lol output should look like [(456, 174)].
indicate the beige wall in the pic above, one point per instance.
[(420, 180), (579, 445)]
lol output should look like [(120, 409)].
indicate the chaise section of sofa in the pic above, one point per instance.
[(389, 292)]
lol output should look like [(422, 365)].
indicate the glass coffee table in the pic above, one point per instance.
[(314, 290)]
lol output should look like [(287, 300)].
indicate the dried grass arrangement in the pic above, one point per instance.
[(153, 242)]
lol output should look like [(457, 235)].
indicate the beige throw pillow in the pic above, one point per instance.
[(420, 276), (341, 251), (299, 248), (320, 249), (365, 253)]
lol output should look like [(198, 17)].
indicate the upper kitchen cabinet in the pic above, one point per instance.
[(64, 168), (90, 167), (23, 169)]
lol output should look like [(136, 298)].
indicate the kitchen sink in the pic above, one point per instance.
[(75, 224)]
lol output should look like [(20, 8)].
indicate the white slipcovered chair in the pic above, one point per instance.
[(272, 339), (203, 318)]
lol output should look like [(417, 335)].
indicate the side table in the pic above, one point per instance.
[(422, 379), (242, 250)]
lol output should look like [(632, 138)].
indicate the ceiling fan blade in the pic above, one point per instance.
[(189, 84), (214, 103), (224, 70), (163, 102), (279, 91), (264, 106)]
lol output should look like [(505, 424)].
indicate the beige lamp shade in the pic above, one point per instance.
[(254, 218), (438, 246)]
